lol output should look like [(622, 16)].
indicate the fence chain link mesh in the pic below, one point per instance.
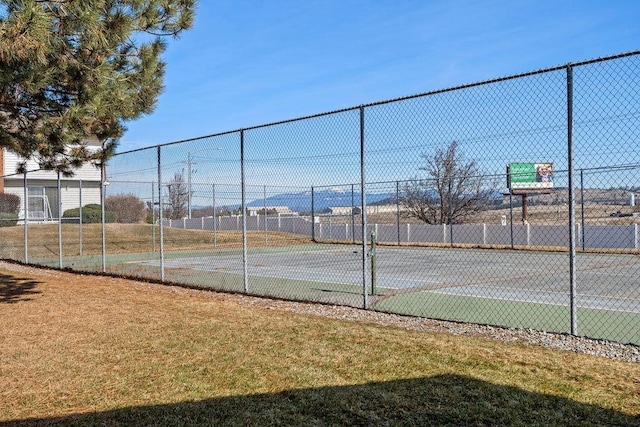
[(512, 202)]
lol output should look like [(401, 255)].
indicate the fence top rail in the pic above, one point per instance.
[(399, 99), (9, 175)]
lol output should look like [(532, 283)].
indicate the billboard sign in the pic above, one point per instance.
[(530, 176)]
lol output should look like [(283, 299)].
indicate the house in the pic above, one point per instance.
[(42, 186)]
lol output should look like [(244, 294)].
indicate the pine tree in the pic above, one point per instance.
[(70, 69)]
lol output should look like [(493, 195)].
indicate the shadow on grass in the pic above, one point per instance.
[(440, 400), (15, 289)]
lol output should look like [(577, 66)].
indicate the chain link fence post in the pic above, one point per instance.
[(80, 248), (103, 219), (59, 197), (160, 212), (572, 207), (363, 199), (26, 218), (245, 272)]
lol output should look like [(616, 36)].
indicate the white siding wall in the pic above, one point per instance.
[(88, 174), (69, 191)]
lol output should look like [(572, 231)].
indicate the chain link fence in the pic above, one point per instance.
[(510, 202)]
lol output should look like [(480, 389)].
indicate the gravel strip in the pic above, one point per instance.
[(600, 348)]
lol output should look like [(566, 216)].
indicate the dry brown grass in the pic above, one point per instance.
[(127, 238), (91, 350)]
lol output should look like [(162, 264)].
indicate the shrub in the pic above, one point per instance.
[(90, 215), (9, 203), (127, 207), (8, 219)]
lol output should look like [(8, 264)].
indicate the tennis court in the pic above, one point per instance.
[(604, 281)]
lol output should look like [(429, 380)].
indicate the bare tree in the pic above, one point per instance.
[(177, 197), (454, 190)]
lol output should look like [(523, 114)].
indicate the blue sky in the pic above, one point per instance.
[(246, 63)]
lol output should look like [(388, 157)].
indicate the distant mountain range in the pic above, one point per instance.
[(323, 199)]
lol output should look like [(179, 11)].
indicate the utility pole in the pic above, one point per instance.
[(190, 171)]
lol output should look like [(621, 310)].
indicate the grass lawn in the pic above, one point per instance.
[(125, 239), (86, 350)]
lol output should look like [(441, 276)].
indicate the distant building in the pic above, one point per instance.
[(357, 210), (280, 210), (42, 191)]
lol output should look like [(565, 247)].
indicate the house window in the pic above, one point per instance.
[(43, 203)]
